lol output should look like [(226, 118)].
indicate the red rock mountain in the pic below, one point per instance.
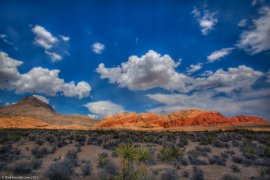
[(192, 117)]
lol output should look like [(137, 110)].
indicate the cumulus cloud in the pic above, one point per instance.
[(45, 81), (237, 79), (98, 48), (207, 20), (43, 37), (8, 70), (216, 55), (257, 38), (38, 80), (194, 68), (104, 108), (42, 98), (54, 56), (146, 72), (153, 70)]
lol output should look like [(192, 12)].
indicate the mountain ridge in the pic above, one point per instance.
[(31, 112)]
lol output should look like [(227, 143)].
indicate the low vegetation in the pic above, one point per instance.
[(112, 155)]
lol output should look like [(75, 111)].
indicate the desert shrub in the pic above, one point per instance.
[(111, 169), (197, 174), (61, 169), (114, 154), (235, 168), (10, 136), (170, 153), (21, 167), (251, 149), (50, 139), (217, 160), (86, 168), (237, 159), (220, 144), (169, 174), (40, 152), (235, 143), (80, 139), (224, 155), (112, 144), (72, 156), (229, 177), (8, 154), (262, 162), (184, 162), (36, 163), (185, 174), (193, 158), (102, 159), (40, 142)]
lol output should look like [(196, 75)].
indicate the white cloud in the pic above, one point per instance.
[(43, 37), (257, 38), (92, 116), (65, 38), (216, 55), (5, 39), (153, 70), (256, 2), (207, 20), (8, 70), (244, 103), (146, 72), (98, 48), (104, 108), (194, 68), (54, 56), (44, 81), (55, 48), (242, 23), (42, 98), (238, 79), (38, 80)]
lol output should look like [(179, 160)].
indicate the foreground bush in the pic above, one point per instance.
[(21, 167), (60, 170)]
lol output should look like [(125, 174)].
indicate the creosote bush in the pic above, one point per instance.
[(61, 169)]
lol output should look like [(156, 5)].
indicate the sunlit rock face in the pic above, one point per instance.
[(192, 117)]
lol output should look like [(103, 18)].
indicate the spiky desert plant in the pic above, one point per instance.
[(143, 155), (128, 153)]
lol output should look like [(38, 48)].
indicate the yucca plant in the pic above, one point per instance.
[(128, 153), (143, 155)]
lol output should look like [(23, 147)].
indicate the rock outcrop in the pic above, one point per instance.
[(192, 117)]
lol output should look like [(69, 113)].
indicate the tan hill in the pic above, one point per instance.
[(192, 117), (31, 108)]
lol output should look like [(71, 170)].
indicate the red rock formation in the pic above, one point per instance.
[(193, 117)]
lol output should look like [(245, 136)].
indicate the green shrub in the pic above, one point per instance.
[(170, 153)]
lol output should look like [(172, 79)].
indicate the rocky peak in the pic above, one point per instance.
[(34, 101)]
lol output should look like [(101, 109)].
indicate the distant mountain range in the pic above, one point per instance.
[(32, 112)]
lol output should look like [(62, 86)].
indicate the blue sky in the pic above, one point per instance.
[(105, 57)]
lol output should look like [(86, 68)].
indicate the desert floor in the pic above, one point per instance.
[(59, 154)]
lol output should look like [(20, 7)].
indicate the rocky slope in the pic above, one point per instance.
[(32, 110), (192, 117)]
